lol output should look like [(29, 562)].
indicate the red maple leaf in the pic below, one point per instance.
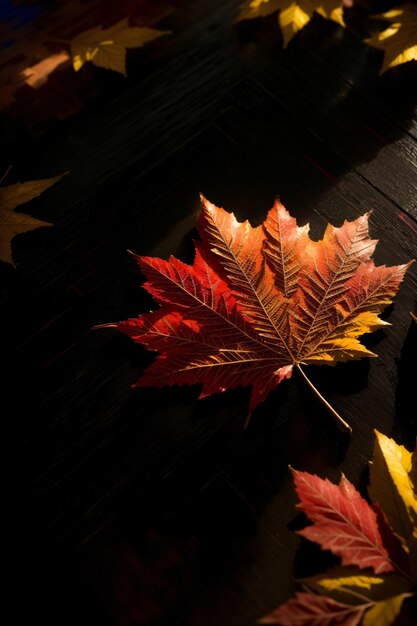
[(258, 301), (343, 522)]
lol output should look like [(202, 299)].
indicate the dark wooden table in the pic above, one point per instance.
[(150, 507)]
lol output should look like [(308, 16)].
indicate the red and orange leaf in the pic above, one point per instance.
[(257, 301), (343, 522), (307, 609)]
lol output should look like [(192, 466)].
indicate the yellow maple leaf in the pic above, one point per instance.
[(11, 223), (107, 47), (399, 39), (393, 489), (293, 14)]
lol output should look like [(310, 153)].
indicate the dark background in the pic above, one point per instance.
[(150, 507)]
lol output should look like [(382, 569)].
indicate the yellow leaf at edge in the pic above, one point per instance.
[(294, 18), (384, 612), (399, 39), (38, 74), (77, 62), (391, 487)]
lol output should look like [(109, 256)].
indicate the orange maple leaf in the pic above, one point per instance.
[(258, 301)]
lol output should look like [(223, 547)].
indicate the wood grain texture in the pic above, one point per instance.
[(150, 507)]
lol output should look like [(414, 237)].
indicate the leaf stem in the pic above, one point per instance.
[(356, 594), (323, 400), (5, 174)]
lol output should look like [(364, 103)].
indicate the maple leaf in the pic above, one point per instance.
[(399, 39), (352, 529), (258, 301), (107, 47), (343, 522), (11, 223), (294, 14)]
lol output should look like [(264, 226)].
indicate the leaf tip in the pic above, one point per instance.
[(100, 326), (203, 198)]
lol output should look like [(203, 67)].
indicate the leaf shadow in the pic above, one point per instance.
[(341, 98)]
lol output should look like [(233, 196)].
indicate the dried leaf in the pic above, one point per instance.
[(107, 47), (258, 301), (294, 14), (392, 487), (307, 609), (399, 39), (343, 522), (12, 223)]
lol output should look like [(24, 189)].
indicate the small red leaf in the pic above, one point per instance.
[(343, 522), (307, 609)]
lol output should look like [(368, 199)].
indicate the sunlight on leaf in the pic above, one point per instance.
[(366, 582), (340, 581), (293, 14), (259, 8), (399, 39), (38, 74)]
